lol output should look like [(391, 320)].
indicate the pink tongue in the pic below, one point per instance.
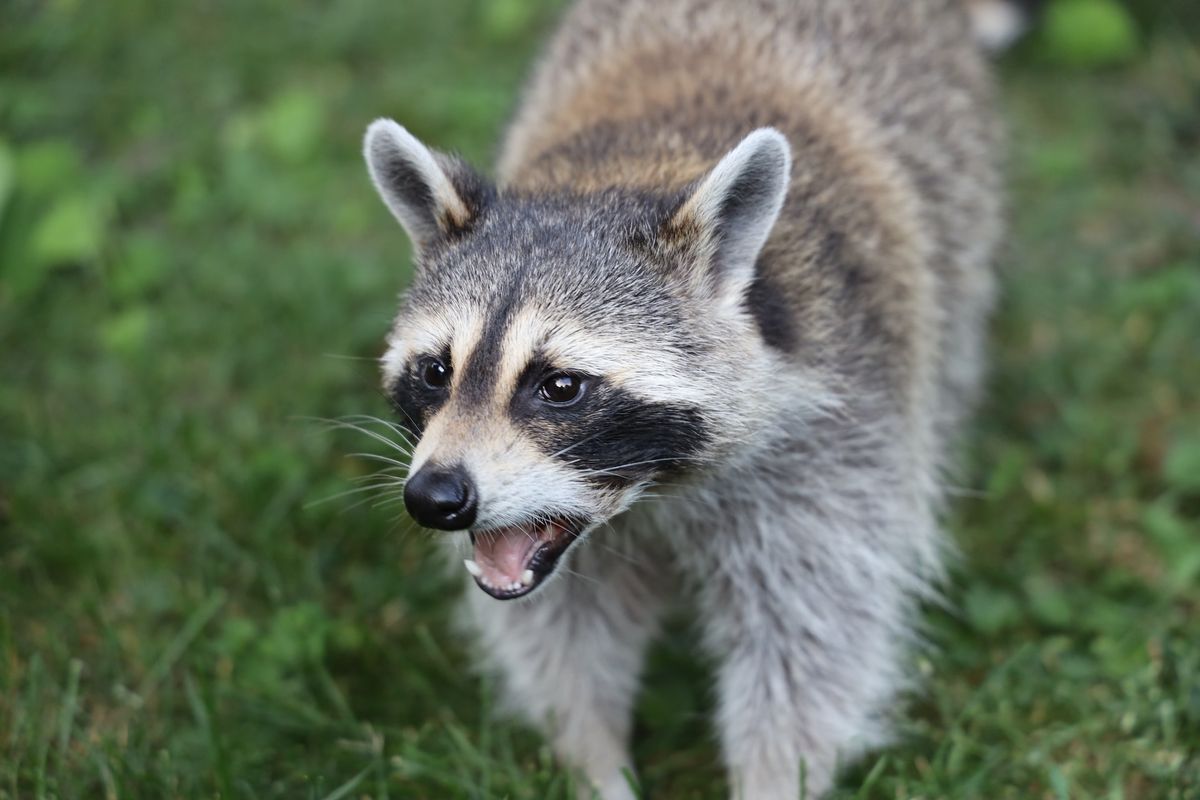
[(503, 554)]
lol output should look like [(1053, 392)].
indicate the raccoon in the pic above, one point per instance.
[(706, 340)]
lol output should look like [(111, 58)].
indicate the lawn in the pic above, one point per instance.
[(194, 271)]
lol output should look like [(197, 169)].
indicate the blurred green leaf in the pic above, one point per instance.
[(990, 610), (1088, 33), (126, 332), (236, 637), (1006, 471), (1177, 539), (49, 167), (141, 265), (346, 637), (71, 231), (292, 125), (1059, 782), (1164, 525), (506, 19), (1182, 466), (1047, 600), (1059, 160), (192, 197)]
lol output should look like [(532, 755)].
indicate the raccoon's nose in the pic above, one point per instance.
[(441, 497)]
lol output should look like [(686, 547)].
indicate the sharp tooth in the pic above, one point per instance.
[(472, 567), (527, 577)]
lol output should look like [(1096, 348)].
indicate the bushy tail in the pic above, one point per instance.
[(999, 23)]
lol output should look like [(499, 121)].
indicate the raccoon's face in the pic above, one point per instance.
[(556, 355)]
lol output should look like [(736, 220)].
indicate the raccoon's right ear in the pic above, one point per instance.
[(724, 222), (430, 193)]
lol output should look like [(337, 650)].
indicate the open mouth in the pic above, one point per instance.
[(511, 562)]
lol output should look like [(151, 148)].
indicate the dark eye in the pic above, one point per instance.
[(435, 374), (561, 389)]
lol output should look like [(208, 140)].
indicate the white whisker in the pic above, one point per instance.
[(377, 457)]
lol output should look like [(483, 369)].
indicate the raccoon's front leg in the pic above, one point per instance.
[(807, 619), (571, 657)]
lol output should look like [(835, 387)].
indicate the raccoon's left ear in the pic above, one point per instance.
[(730, 213), (431, 194)]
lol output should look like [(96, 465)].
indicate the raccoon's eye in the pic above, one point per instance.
[(561, 389), (435, 374)]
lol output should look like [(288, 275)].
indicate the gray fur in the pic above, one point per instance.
[(807, 387)]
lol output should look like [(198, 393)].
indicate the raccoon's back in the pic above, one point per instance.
[(911, 65)]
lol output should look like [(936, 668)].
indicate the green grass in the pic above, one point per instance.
[(192, 264)]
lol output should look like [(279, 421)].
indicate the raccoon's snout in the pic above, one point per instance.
[(442, 497)]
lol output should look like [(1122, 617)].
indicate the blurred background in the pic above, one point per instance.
[(194, 269)]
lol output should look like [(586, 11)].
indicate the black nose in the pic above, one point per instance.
[(441, 497)]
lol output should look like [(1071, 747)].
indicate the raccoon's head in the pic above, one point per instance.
[(558, 353)]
